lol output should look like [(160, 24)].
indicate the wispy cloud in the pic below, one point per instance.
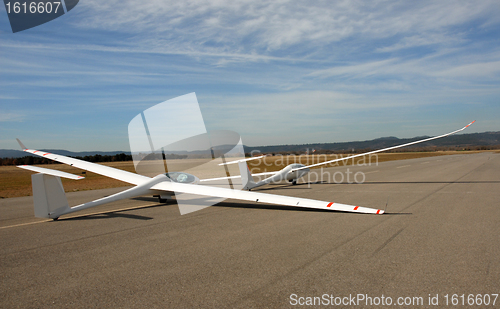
[(363, 69), (11, 117), (480, 69), (419, 40), (278, 71), (245, 27)]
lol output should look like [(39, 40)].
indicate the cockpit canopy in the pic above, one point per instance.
[(182, 177)]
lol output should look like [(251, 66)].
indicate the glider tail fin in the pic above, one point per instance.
[(48, 196), (246, 176)]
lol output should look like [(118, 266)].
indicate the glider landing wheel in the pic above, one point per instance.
[(294, 182), (162, 200)]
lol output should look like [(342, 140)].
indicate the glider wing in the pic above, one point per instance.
[(107, 171), (261, 197), (381, 150)]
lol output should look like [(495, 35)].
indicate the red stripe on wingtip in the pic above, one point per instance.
[(330, 204), (356, 208), (378, 211), (46, 154), (470, 124)]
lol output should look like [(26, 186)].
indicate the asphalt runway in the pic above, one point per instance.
[(440, 235)]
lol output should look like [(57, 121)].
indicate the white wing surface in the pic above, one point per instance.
[(261, 197), (107, 171), (381, 150)]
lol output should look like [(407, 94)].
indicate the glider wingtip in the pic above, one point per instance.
[(21, 144), (469, 124)]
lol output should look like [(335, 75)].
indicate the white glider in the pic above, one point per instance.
[(50, 200), (295, 171)]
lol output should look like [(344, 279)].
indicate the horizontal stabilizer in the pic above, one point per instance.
[(242, 160), (50, 172), (237, 176)]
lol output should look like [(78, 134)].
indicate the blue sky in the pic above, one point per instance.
[(277, 72)]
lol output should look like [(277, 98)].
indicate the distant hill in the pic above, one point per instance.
[(9, 153), (461, 140)]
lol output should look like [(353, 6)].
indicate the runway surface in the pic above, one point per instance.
[(441, 235)]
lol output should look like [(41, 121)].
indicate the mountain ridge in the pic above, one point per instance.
[(461, 140)]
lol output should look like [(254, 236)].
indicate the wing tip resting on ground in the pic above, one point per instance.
[(358, 209)]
